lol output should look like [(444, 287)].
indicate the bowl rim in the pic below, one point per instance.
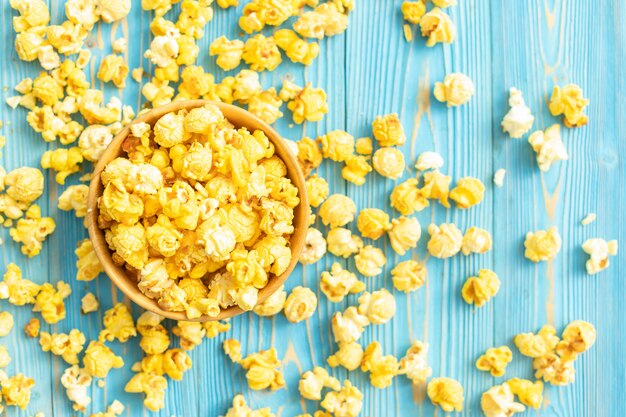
[(120, 276)]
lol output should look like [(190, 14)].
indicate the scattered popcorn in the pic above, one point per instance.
[(16, 289), (414, 364), (99, 360), (338, 210), (599, 251), (577, 338), (341, 242), (478, 290), (314, 247), (476, 240), (113, 68), (154, 338), (325, 20), (300, 304), (498, 177), (191, 334), (388, 130), (363, 146), (88, 264), (5, 358), (31, 329), (569, 102), (404, 234), (263, 370), (295, 48), (456, 89), (548, 146), (273, 304), (119, 45), (373, 223), (89, 303), (518, 121), (309, 155), (389, 162), (32, 231), (498, 401), (408, 276), (412, 11), (24, 185), (64, 161), (312, 382), (407, 198), (348, 326), (346, 402), (444, 3), (379, 307), (93, 141), (261, 53), (67, 346), (356, 169), (446, 393), (436, 187), (468, 192), (137, 75), (349, 355), (495, 360), (552, 369), (529, 393), (537, 345), (16, 390), (118, 324), (542, 245), (240, 408), (370, 261), (589, 218), (317, 190), (382, 369), (6, 323), (339, 282), (429, 160), (445, 241), (75, 198), (232, 348), (337, 145), (50, 303), (152, 386), (309, 104)]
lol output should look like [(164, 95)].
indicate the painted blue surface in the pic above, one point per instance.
[(372, 70)]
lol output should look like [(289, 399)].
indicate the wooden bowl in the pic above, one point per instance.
[(124, 280)]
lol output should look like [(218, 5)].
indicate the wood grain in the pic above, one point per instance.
[(372, 70)]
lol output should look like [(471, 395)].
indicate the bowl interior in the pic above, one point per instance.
[(122, 278)]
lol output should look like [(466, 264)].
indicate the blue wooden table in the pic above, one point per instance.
[(369, 70)]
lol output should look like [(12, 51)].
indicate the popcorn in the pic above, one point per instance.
[(93, 110), (50, 303), (349, 355), (599, 251), (6, 323), (300, 304), (407, 198), (309, 104), (88, 264), (373, 223), (548, 146), (338, 210), (388, 130), (113, 10), (99, 360), (273, 304), (113, 68), (379, 307), (89, 303), (33, 13), (468, 192), (456, 89), (436, 187), (589, 218), (389, 162), (542, 245), (337, 145), (446, 393), (266, 105), (324, 20), (408, 276), (16, 390), (404, 234), (64, 161), (47, 90), (317, 190), (118, 324), (363, 146), (414, 364), (341, 242), (155, 339), (93, 141), (529, 393), (175, 363), (412, 11), (16, 289), (382, 369), (551, 368), (5, 358), (152, 386), (429, 160), (314, 247), (232, 348), (164, 49), (577, 338), (495, 360), (498, 401), (518, 121), (312, 382), (498, 177), (295, 48), (240, 408), (246, 85), (445, 241), (346, 402), (476, 240), (348, 326), (263, 370), (537, 345), (569, 102), (438, 27), (478, 290), (28, 43), (261, 53), (444, 3), (370, 261), (76, 382), (24, 185), (74, 198), (68, 346), (119, 45)]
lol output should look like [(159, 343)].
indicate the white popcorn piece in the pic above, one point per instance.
[(498, 177), (518, 121)]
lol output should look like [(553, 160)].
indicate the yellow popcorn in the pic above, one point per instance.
[(498, 401), (193, 17), (214, 328), (438, 27), (117, 204), (436, 187), (364, 146), (152, 386), (229, 52), (537, 345), (325, 20), (388, 130), (314, 247), (317, 190), (232, 348), (370, 261), (118, 324), (446, 393), (89, 303), (246, 85), (429, 160), (261, 53), (225, 4), (312, 382), (28, 44), (382, 369), (379, 306), (408, 276), (341, 242), (50, 303), (157, 92), (339, 282), (263, 370), (445, 240), (16, 390), (175, 363), (94, 110), (548, 146), (476, 240), (67, 38), (346, 402), (154, 339), (99, 360), (495, 360), (389, 162), (468, 192), (273, 304), (373, 223), (456, 89), (542, 245), (529, 393), (259, 13), (309, 155), (407, 198), (404, 234), (64, 161), (31, 329), (295, 48), (32, 231), (115, 409), (599, 251), (577, 338), (24, 184), (338, 210), (6, 323), (113, 68), (16, 289), (88, 264), (412, 11), (337, 145), (569, 102), (5, 358), (356, 169), (120, 45), (444, 3), (93, 141), (74, 198), (300, 304), (414, 364), (113, 10), (164, 49), (309, 104), (68, 346), (518, 121), (349, 326), (266, 105), (76, 382), (478, 290), (33, 13), (349, 355), (47, 90), (552, 369), (240, 408)]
